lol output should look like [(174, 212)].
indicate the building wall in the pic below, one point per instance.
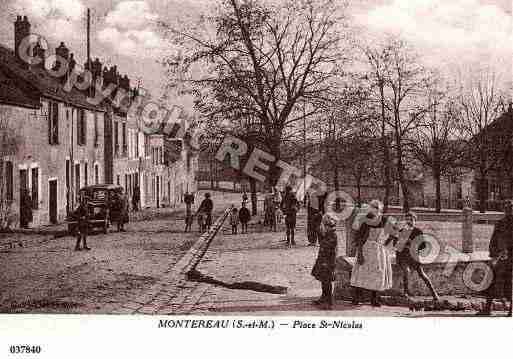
[(35, 153)]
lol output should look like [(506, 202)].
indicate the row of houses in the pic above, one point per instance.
[(54, 141)]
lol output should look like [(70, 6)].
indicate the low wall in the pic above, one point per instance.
[(446, 274)]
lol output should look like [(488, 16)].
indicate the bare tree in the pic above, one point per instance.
[(480, 101), (265, 58), (436, 144), (404, 79)]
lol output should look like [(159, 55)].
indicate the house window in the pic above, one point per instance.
[(117, 180), (77, 178), (53, 123), (81, 128), (116, 138), (35, 188), (126, 183), (96, 174), (9, 181), (85, 174), (96, 134), (123, 134)]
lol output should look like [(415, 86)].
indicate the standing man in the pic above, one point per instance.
[(290, 206), (501, 253), (206, 207), (189, 200), (122, 207), (244, 197), (404, 258), (136, 197), (26, 209), (82, 214)]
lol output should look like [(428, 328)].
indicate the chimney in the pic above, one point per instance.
[(40, 53), (21, 30)]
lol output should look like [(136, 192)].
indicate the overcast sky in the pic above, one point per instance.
[(125, 32)]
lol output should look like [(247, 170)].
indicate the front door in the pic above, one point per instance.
[(23, 189), (52, 205)]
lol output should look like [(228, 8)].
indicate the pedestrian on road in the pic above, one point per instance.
[(189, 200), (290, 206), (82, 214), (501, 254), (26, 209), (244, 217), (122, 211), (313, 222), (244, 197), (201, 218), (324, 268), (404, 258), (373, 268), (207, 207), (136, 197), (234, 219)]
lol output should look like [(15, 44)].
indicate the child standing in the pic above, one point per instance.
[(234, 219), (244, 217)]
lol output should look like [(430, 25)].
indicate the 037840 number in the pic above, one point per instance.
[(25, 349)]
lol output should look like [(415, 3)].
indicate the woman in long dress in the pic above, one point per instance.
[(373, 267)]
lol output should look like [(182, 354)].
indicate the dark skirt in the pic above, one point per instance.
[(502, 278), (324, 267)]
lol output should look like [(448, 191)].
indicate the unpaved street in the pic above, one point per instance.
[(49, 276)]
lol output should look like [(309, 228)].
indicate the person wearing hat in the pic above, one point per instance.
[(404, 258), (82, 215), (501, 254), (324, 267), (373, 267), (206, 207), (290, 206)]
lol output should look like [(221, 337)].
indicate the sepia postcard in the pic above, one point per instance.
[(255, 164)]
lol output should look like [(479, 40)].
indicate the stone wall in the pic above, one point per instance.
[(446, 274)]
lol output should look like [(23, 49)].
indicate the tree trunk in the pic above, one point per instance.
[(482, 192), (438, 204), (252, 185), (386, 153), (359, 188), (402, 179), (274, 170), (336, 184)]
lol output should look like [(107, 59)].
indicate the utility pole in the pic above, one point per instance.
[(304, 153)]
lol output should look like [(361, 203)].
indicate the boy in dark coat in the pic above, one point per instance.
[(324, 268), (290, 206), (406, 261), (244, 217), (82, 215), (207, 207)]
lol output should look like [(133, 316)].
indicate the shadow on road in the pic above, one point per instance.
[(196, 276)]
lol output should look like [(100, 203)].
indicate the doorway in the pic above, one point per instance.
[(23, 188), (52, 184)]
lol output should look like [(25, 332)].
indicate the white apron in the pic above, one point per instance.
[(376, 271)]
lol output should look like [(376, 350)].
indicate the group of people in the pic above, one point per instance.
[(372, 272), (243, 216), (203, 214), (118, 213), (272, 209)]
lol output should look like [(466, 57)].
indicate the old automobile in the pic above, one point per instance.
[(102, 201)]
